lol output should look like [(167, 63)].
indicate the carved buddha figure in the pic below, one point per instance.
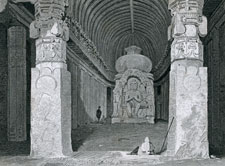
[(133, 98)]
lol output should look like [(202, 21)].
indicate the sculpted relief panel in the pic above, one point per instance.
[(51, 50), (47, 111), (133, 94)]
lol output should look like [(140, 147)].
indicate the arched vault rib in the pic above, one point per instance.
[(108, 24), (121, 44)]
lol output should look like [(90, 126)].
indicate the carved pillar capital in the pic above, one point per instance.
[(49, 19), (187, 25), (50, 29), (50, 49)]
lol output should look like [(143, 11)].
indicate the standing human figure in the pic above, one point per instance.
[(99, 113)]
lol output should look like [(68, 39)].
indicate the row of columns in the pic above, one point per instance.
[(51, 82)]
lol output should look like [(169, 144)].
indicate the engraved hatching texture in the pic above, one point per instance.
[(191, 140), (46, 112)]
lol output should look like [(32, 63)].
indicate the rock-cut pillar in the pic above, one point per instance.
[(51, 82), (188, 135)]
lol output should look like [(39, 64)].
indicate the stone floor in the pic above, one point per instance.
[(99, 137), (118, 137), (105, 159), (105, 145)]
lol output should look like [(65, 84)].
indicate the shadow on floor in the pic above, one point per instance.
[(79, 135), (99, 137), (8, 148)]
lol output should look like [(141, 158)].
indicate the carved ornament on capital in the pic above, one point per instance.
[(50, 19), (52, 49), (51, 30), (188, 23)]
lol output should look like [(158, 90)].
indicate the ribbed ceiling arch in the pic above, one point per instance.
[(108, 24)]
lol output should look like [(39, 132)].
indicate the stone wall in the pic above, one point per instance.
[(88, 92), (3, 81), (215, 61)]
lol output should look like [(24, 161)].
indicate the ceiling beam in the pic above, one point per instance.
[(132, 15)]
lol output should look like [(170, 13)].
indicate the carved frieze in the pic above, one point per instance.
[(50, 49), (87, 45), (187, 49)]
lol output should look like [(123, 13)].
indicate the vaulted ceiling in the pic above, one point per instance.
[(116, 24)]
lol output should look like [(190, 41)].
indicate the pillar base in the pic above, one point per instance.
[(188, 136), (51, 112)]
